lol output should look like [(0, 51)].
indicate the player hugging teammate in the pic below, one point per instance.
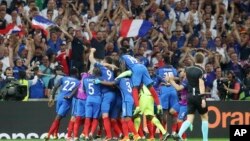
[(127, 105)]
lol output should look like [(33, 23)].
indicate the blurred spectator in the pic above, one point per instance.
[(37, 90)]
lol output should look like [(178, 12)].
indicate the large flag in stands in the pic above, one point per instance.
[(133, 28), (10, 29), (42, 23)]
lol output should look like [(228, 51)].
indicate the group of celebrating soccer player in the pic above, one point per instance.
[(121, 97)]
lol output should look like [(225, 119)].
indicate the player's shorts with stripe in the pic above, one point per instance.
[(168, 96), (63, 107), (146, 103), (74, 106), (107, 101), (93, 106), (181, 109), (127, 108), (140, 75)]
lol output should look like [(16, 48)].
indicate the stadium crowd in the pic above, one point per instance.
[(38, 58), (219, 29)]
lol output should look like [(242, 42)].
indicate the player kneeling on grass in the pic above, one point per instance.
[(147, 108), (69, 87)]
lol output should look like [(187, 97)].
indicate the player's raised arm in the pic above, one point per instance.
[(124, 74), (91, 56), (74, 92), (106, 83), (173, 83)]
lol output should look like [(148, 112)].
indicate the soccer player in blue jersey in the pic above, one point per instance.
[(139, 75), (180, 108), (125, 87), (80, 106), (93, 103), (69, 85), (167, 93), (108, 95)]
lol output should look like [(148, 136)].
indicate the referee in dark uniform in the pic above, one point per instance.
[(196, 98)]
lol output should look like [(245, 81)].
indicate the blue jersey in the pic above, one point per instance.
[(90, 87), (68, 84), (125, 87), (129, 61), (166, 71), (107, 75)]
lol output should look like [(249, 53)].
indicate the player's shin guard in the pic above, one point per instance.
[(135, 96), (106, 123), (174, 125), (76, 126), (86, 127), (137, 123), (184, 127), (204, 129), (53, 127), (131, 126), (125, 128), (115, 126), (70, 128), (154, 95), (94, 125), (158, 124), (140, 131), (150, 129)]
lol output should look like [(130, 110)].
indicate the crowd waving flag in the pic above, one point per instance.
[(39, 22), (134, 28), (10, 29)]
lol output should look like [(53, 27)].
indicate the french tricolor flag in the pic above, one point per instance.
[(133, 28), (40, 22)]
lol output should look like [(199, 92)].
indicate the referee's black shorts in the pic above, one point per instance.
[(194, 103)]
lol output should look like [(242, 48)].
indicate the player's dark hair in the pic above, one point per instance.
[(167, 60), (199, 57), (108, 59), (74, 72), (123, 50), (97, 71), (116, 71)]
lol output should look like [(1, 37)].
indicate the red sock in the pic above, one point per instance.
[(179, 126), (174, 125), (53, 127), (125, 128), (86, 127), (154, 95), (70, 128), (140, 131), (135, 96), (116, 127), (131, 126), (56, 131), (99, 131), (150, 129), (184, 135), (94, 125), (106, 124), (77, 125)]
